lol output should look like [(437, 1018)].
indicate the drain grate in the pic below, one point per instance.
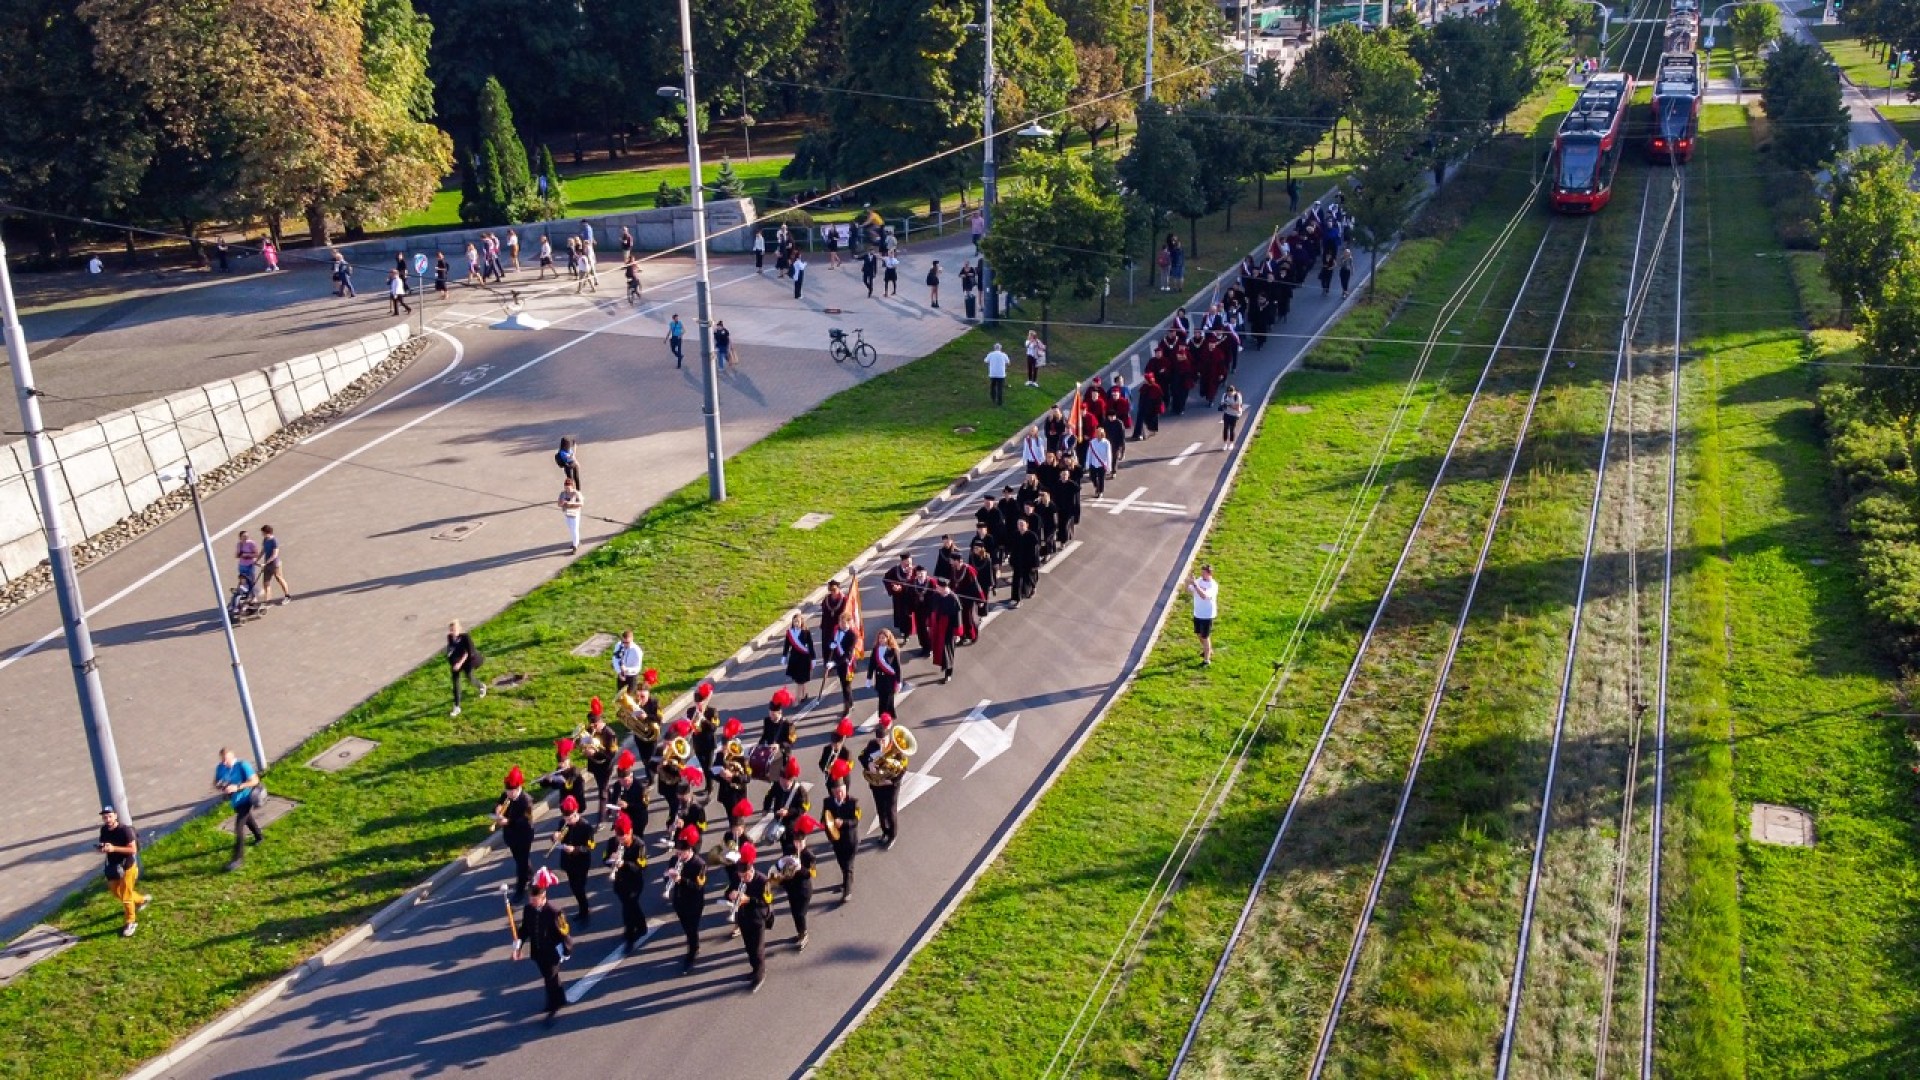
[(1786, 826), (812, 520), (30, 948), (459, 531), (342, 754), (595, 645)]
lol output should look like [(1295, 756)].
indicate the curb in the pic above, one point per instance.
[(221, 1025)]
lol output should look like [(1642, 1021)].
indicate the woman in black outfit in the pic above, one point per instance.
[(462, 660), (514, 816)]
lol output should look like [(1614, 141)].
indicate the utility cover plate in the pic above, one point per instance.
[(30, 948), (459, 531), (1784, 825), (1299, 409), (342, 754), (812, 521), (595, 645), (275, 809)]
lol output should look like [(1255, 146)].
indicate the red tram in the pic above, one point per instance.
[(1676, 109), (1586, 152)]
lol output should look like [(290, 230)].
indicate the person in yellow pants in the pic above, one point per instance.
[(120, 845)]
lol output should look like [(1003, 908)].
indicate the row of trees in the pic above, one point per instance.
[(185, 113), (1416, 97), (1887, 24)]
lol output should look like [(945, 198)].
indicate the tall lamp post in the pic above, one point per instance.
[(710, 375), (989, 172), (186, 476), (107, 781)]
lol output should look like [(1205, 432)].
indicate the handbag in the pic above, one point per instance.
[(257, 795)]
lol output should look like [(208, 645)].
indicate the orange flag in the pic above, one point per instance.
[(859, 622)]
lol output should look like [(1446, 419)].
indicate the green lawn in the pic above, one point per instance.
[(1905, 119), (608, 191), (1862, 65), (361, 838), (1828, 939)]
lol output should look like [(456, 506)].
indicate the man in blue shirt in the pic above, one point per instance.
[(675, 334), (237, 780)]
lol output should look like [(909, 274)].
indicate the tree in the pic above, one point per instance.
[(1458, 64), (728, 184), (1059, 226), (399, 156), (538, 50), (550, 194), (1101, 99), (1753, 25), (1160, 166), (907, 99), (505, 187), (1871, 223), (1033, 58), (1225, 149), (736, 41), (1390, 107), (1801, 94)]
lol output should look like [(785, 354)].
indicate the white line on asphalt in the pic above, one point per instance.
[(1128, 501), (1071, 547), (1181, 458), (41, 642), (584, 985), (990, 616), (459, 354), (906, 691)]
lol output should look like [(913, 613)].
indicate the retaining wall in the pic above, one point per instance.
[(653, 230), (108, 469)]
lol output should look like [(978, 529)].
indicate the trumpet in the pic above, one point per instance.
[(672, 878)]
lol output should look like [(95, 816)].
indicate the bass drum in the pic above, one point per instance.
[(762, 761)]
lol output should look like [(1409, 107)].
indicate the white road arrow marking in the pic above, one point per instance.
[(584, 984), (1128, 501), (1135, 503), (986, 739)]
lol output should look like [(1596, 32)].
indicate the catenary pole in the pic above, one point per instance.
[(709, 372)]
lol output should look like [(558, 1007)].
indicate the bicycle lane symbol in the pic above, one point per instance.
[(469, 377)]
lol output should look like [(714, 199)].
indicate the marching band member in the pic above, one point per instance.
[(795, 873), (797, 652), (884, 792), (574, 838), (705, 739), (836, 749), (842, 643), (687, 888), (514, 816), (566, 778), (640, 712), (787, 802), (627, 794), (731, 785), (883, 671), (545, 936), (753, 914), (841, 816), (603, 747), (627, 854), (776, 729)]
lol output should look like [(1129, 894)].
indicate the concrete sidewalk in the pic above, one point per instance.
[(465, 437)]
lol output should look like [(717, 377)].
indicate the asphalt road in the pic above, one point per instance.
[(466, 435), (434, 991)]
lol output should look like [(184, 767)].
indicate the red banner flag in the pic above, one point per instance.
[(859, 622)]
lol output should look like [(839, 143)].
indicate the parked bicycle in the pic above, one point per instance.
[(858, 350)]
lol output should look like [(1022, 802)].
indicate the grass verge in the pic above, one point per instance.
[(1043, 919), (361, 838), (1828, 937)]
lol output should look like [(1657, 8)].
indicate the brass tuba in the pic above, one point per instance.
[(734, 753), (676, 754), (892, 764)]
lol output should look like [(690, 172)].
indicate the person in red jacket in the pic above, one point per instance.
[(1153, 398)]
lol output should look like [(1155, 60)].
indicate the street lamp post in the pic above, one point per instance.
[(1149, 91), (107, 781), (710, 375), (187, 476), (989, 171)]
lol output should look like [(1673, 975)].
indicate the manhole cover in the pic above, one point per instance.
[(505, 681), (458, 532), (595, 645), (342, 754), (275, 809), (812, 521), (1298, 409), (965, 429), (1328, 548), (30, 948), (1782, 825)]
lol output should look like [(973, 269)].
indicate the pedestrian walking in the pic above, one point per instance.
[(886, 791), (795, 874), (676, 338), (462, 661), (1099, 462), (626, 853), (1326, 273), (546, 938), (687, 890), (628, 664), (626, 244), (1024, 556), (1176, 262), (997, 375), (969, 284), (240, 783), (890, 277), (842, 641), (759, 251), (440, 273), (573, 837), (513, 818), (1232, 405), (883, 670), (1206, 607), (342, 276), (840, 817), (799, 275), (513, 248), (546, 258), (722, 342), (869, 269), (473, 264), (223, 255), (977, 228), (246, 557), (633, 282), (797, 653), (1346, 271), (1293, 196), (569, 502), (1036, 357), (833, 246), (753, 915), (567, 458), (933, 284), (121, 846), (589, 275), (272, 567), (397, 292), (270, 255)]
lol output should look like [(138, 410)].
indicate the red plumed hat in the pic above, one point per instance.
[(886, 721), (806, 825), (623, 824), (782, 698), (703, 691), (844, 729), (694, 776), (792, 770), (841, 770), (516, 778), (544, 879), (564, 748), (682, 728), (651, 677), (732, 730), (748, 853), (626, 761), (690, 835), (594, 708), (741, 809), (569, 805)]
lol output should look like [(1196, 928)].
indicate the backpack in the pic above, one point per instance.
[(933, 277)]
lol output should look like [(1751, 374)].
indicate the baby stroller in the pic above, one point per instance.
[(243, 604)]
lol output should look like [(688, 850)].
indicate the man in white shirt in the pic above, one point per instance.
[(997, 374), (627, 657), (1099, 462), (1206, 605)]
